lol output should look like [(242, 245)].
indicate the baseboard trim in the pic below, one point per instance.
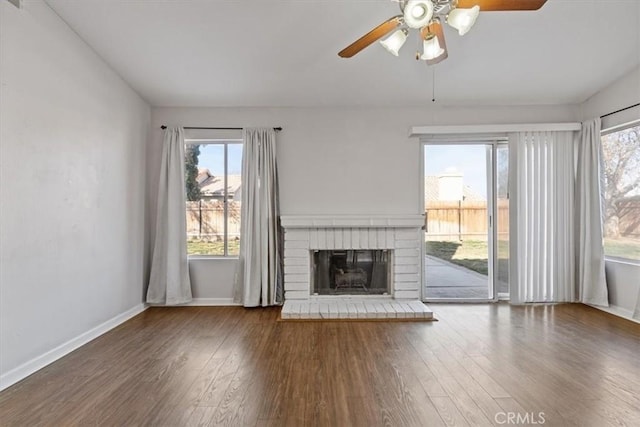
[(214, 302), (618, 311), (37, 363)]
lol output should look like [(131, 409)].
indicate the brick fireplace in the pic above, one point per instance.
[(400, 235)]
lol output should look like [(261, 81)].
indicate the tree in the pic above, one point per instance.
[(191, 172), (621, 155)]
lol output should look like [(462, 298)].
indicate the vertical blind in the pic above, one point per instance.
[(542, 220)]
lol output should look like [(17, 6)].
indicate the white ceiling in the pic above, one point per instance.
[(284, 52)]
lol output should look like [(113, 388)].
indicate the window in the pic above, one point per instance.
[(621, 158), (213, 186)]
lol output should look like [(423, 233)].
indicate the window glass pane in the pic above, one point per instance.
[(234, 165), (621, 154), (502, 219), (204, 180)]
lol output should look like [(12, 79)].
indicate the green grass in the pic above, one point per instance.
[(472, 254), (203, 247), (623, 248)]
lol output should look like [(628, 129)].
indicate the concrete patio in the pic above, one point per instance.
[(445, 280)]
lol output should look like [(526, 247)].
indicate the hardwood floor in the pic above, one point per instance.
[(479, 365)]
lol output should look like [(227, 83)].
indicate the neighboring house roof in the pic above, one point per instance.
[(432, 191), (213, 186), (203, 174)]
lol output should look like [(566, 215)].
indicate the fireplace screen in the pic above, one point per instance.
[(351, 272)]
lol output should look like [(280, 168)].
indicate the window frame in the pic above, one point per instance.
[(605, 132), (225, 142)]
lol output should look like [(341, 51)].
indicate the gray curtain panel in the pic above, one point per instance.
[(259, 275), (590, 278), (169, 283)]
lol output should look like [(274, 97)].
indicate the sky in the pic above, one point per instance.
[(470, 160), (212, 158)]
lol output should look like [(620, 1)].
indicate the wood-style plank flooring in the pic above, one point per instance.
[(476, 366)]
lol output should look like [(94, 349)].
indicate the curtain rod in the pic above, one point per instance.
[(621, 110), (278, 129)]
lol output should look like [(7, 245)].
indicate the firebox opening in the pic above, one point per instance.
[(351, 272)]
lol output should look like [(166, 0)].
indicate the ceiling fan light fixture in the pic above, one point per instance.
[(463, 19), (418, 13), (431, 49), (426, 17), (395, 41)]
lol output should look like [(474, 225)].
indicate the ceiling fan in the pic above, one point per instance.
[(427, 16)]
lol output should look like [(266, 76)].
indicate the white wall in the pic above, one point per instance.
[(72, 161), (212, 280), (620, 94), (623, 279), (335, 160)]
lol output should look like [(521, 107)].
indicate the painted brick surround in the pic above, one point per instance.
[(401, 233)]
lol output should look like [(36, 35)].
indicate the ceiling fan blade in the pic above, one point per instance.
[(435, 27), (497, 5), (371, 37)]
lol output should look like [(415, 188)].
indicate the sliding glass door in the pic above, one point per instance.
[(466, 221)]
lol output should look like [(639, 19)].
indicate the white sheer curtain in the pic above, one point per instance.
[(591, 283), (259, 276), (542, 217), (169, 282)]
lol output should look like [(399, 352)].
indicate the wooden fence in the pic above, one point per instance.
[(444, 220), (463, 220), (205, 220), (468, 220)]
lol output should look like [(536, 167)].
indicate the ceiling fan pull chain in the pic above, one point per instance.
[(433, 87)]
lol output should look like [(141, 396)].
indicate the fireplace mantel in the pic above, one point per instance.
[(352, 221)]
